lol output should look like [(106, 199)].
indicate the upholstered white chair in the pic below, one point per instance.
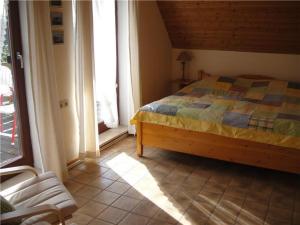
[(40, 198)]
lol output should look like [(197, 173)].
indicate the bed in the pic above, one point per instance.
[(253, 120)]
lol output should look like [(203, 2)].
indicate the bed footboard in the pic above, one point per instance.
[(218, 147)]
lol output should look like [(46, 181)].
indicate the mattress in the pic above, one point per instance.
[(266, 111)]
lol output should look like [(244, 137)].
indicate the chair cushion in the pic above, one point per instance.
[(40, 190)]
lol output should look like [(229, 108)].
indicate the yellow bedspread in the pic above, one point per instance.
[(265, 111)]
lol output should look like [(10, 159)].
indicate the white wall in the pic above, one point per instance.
[(282, 66), (155, 53)]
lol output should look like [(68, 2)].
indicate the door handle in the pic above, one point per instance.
[(20, 58)]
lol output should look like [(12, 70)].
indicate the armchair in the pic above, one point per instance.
[(40, 198)]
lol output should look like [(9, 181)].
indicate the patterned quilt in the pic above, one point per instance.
[(266, 111)]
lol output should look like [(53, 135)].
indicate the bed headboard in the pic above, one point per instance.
[(202, 74), (256, 77)]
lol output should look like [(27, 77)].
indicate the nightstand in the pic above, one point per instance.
[(183, 83), (180, 83)]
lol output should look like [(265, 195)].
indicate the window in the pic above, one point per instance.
[(15, 143)]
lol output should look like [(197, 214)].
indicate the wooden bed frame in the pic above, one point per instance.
[(217, 146)]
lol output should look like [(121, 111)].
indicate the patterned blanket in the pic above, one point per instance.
[(234, 107)]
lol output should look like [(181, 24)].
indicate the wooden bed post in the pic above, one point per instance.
[(139, 145)]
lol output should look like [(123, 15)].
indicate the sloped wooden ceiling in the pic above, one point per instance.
[(238, 26)]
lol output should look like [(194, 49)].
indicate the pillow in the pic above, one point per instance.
[(5, 207)]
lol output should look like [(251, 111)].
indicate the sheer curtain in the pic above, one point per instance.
[(128, 62), (133, 21), (104, 41), (85, 80), (41, 87)]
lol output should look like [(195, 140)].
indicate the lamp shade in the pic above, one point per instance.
[(184, 57)]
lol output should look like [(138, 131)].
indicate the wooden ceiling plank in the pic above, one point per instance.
[(256, 26)]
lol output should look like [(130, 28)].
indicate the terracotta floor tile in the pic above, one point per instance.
[(214, 187), (112, 215), (79, 219), (236, 192), (132, 219), (279, 214), (189, 190), (122, 180), (257, 196), (83, 178), (87, 192), (175, 177), (106, 197), (72, 186), (125, 203), (220, 219), (241, 182), (246, 218), (274, 221), (220, 179), (296, 218), (92, 208), (255, 209), (73, 173), (146, 208), (195, 215), (208, 197), (231, 201), (157, 222), (181, 199), (228, 208), (99, 222), (195, 180), (101, 183), (168, 187), (110, 174), (92, 168), (133, 193), (80, 200), (118, 187), (282, 201), (165, 217)]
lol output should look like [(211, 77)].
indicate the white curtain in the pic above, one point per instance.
[(85, 80), (41, 88), (104, 41), (133, 10), (128, 62)]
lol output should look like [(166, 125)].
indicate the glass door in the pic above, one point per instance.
[(15, 145)]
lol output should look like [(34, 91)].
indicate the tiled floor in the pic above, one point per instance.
[(172, 188)]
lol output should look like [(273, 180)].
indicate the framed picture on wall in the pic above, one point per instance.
[(58, 37), (56, 18), (55, 3)]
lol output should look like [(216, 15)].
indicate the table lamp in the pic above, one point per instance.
[(184, 57)]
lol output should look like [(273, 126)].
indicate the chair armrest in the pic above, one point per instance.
[(17, 169), (28, 212)]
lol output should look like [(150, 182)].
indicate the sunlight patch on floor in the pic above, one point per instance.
[(143, 181), (148, 186)]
